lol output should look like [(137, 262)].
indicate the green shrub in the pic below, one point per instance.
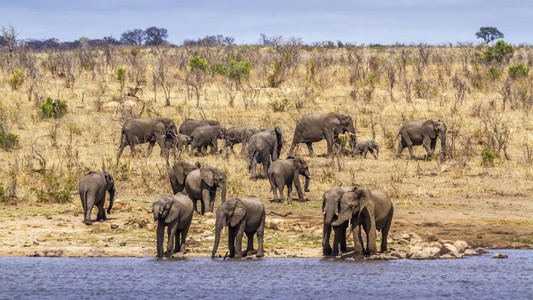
[(121, 77), (8, 141), (487, 158), (494, 73), (4, 195), (501, 52), (55, 189), (518, 71), (16, 79), (198, 63), (47, 108)]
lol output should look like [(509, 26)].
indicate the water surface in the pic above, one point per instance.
[(268, 278)]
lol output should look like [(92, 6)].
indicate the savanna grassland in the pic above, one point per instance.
[(481, 193)]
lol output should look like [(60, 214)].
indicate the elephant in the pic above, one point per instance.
[(188, 126), (179, 143), (175, 213), (316, 127), (204, 136), (363, 147), (283, 172), (178, 173), (241, 215), (236, 135), (92, 189), (371, 209), (418, 132), (262, 147), (330, 210), (138, 131), (201, 184)]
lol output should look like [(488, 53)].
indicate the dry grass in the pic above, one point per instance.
[(78, 142)]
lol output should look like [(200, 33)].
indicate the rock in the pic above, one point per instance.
[(414, 236), (177, 256), (447, 256), (95, 253), (469, 252), (280, 252), (427, 253), (400, 255), (460, 246), (500, 255), (449, 249), (403, 242), (481, 250), (122, 244), (48, 253), (431, 237), (277, 224), (114, 226), (412, 250)]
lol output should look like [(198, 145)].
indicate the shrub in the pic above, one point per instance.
[(16, 79), (494, 73), (4, 196), (121, 77), (487, 158), (518, 71), (48, 110), (8, 141), (55, 189), (279, 105), (501, 52)]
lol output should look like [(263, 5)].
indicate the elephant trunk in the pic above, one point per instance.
[(223, 192), (343, 217), (111, 199), (307, 179), (218, 228)]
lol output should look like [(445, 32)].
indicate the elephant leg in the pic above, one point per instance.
[(310, 148), (212, 194), (329, 140), (150, 147), (281, 196), (171, 233), (427, 143), (326, 232), (160, 237), (250, 244), (342, 238), (373, 153), (253, 167), (90, 204), (274, 189), (385, 232), (289, 191), (298, 186), (336, 238), (184, 233), (206, 200), (291, 151), (260, 236), (266, 165), (120, 149), (238, 239), (101, 213), (357, 240), (231, 241), (370, 230)]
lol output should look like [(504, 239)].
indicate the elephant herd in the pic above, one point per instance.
[(342, 206)]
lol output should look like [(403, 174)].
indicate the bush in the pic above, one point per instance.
[(487, 158), (8, 141), (501, 52), (279, 105), (16, 79), (55, 189), (4, 197), (494, 73), (518, 71), (47, 109)]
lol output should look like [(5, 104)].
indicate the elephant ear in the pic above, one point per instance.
[(109, 182), (363, 197), (207, 175), (159, 127), (277, 144), (179, 172), (238, 213), (429, 128), (174, 210)]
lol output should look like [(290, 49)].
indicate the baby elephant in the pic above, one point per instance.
[(92, 188), (283, 172), (363, 147), (175, 212), (241, 215)]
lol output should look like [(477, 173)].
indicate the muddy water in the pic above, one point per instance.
[(281, 278)]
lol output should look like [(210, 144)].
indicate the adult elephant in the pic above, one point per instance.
[(189, 125), (330, 209), (178, 173), (241, 215), (363, 147), (92, 189), (283, 172), (175, 213), (371, 209), (316, 127), (206, 136), (263, 147), (139, 131), (237, 135), (201, 184), (425, 133)]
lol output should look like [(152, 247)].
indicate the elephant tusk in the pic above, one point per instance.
[(214, 228), (323, 212)]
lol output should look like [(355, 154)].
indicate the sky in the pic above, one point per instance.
[(357, 21)]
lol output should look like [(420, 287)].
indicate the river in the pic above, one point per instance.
[(479, 277)]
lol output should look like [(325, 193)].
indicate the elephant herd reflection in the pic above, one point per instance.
[(342, 206)]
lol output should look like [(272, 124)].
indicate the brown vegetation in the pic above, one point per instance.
[(481, 193)]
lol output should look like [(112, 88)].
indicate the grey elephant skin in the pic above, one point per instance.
[(330, 210), (425, 133), (139, 131), (178, 173), (92, 189), (204, 136), (241, 215), (316, 127), (189, 125), (371, 209), (363, 147), (238, 135), (283, 172), (201, 184), (174, 212), (264, 147)]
